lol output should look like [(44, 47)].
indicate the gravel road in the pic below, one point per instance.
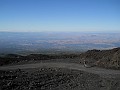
[(100, 71)]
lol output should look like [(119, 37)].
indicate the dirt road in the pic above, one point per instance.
[(100, 71)]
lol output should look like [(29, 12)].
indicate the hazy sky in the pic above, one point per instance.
[(60, 15)]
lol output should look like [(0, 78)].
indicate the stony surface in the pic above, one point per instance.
[(55, 79), (109, 59)]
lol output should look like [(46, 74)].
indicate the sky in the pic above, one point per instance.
[(60, 15)]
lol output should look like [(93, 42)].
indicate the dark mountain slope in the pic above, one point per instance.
[(103, 58)]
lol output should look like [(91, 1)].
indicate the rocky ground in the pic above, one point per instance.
[(55, 79), (109, 59), (63, 72)]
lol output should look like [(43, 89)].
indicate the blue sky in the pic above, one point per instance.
[(60, 15)]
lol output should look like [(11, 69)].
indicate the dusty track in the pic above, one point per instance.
[(100, 71)]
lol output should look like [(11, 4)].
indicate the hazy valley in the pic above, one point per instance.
[(56, 42)]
